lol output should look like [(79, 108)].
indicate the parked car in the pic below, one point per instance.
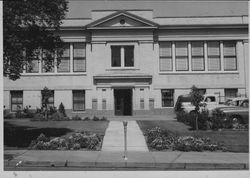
[(210, 102), (235, 114)]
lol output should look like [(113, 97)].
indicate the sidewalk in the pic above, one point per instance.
[(114, 137), (113, 160)]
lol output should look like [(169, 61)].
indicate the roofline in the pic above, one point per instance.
[(120, 12)]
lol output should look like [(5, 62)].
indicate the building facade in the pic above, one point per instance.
[(129, 62)]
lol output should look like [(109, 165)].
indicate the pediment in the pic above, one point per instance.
[(121, 19)]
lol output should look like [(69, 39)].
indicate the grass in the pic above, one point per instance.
[(235, 141), (19, 133)]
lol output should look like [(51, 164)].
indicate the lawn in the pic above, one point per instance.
[(235, 141), (18, 134)]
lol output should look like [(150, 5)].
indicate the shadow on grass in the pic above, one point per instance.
[(21, 136)]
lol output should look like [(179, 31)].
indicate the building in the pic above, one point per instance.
[(137, 60)]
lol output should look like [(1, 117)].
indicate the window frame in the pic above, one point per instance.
[(197, 56), (16, 103), (63, 58), (79, 58), (122, 56), (181, 56), (168, 57), (230, 56), (165, 98), (84, 101)]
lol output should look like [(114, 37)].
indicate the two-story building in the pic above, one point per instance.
[(136, 61)]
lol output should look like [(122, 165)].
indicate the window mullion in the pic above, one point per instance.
[(189, 56), (122, 56), (205, 56), (173, 55), (71, 57), (221, 56)]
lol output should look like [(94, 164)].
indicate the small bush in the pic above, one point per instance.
[(96, 118), (76, 118), (61, 109), (38, 117), (103, 119), (86, 119)]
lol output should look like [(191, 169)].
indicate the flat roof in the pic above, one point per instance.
[(82, 8)]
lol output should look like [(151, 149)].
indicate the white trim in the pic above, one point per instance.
[(221, 56), (199, 72), (53, 74)]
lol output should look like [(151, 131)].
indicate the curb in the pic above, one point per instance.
[(117, 165)]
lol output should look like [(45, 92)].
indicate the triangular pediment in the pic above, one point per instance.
[(121, 19)]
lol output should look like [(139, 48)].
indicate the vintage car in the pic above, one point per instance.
[(235, 114)]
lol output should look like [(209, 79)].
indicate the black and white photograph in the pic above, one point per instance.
[(122, 86)]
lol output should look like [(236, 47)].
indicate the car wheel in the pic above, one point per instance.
[(236, 121)]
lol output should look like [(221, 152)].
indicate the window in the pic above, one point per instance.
[(50, 100), (166, 63), (229, 51), (16, 100), (197, 51), (181, 59), (64, 65), (129, 56), (33, 66), (79, 100), (167, 96), (213, 52), (79, 57), (122, 56), (231, 93)]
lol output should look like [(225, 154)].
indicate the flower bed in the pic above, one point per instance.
[(76, 141), (158, 139)]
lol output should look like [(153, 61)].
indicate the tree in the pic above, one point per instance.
[(196, 99), (29, 31)]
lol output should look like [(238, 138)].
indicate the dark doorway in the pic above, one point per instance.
[(123, 102)]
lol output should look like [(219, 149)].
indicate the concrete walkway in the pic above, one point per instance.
[(114, 137), (84, 160)]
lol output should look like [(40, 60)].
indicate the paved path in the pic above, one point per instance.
[(114, 137)]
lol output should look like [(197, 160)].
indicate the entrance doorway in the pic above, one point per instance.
[(123, 102)]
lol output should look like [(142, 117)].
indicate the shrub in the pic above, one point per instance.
[(76, 118), (86, 119), (159, 139), (189, 119), (74, 141), (103, 119), (61, 109), (38, 117), (96, 118)]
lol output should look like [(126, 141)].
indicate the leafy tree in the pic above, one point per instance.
[(196, 99), (29, 31)]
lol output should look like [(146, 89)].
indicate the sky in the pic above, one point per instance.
[(82, 8)]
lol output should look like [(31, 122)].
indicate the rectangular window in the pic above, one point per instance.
[(16, 100), (116, 56), (122, 56), (79, 63), (181, 59), (167, 96), (166, 63), (213, 52), (197, 51), (229, 51), (79, 100), (129, 56), (64, 65), (231, 93), (33, 66), (50, 100)]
